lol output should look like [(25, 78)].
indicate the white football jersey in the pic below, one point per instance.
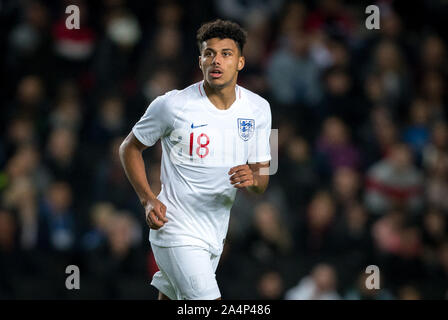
[(200, 143)]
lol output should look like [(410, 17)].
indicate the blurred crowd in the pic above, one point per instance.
[(363, 146)]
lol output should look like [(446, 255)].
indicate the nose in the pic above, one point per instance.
[(217, 59)]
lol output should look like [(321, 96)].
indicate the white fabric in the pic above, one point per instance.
[(195, 183), (186, 273), (307, 290)]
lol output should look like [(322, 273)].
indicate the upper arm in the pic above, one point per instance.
[(155, 123), (131, 140)]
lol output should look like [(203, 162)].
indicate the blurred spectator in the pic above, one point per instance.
[(9, 257), (110, 182), (100, 216), (438, 281), (315, 232), (21, 196), (346, 186), (30, 41), (416, 134), (19, 131), (270, 286), (8, 229), (30, 100), (239, 10), (298, 172), (394, 181), (68, 111), (331, 17), (379, 136), (386, 232), (61, 157), (109, 122), (255, 54), (409, 292), (334, 148), (160, 81), (59, 221), (120, 257), (400, 249), (117, 49), (353, 243), (169, 14), (390, 67), (434, 229), (25, 164), (438, 145), (163, 52), (433, 90), (269, 238), (433, 54), (339, 99), (319, 285), (292, 18), (293, 76), (436, 184)]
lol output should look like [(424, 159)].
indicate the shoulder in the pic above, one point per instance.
[(175, 99), (190, 92), (256, 101)]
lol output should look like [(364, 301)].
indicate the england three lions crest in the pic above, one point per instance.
[(246, 128)]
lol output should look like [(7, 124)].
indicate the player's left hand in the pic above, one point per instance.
[(241, 176)]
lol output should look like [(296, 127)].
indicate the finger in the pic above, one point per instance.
[(241, 174), (244, 184), (150, 224), (160, 214), (247, 179), (238, 168), (154, 220), (240, 178)]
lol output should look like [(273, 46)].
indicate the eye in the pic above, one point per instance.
[(207, 54), (227, 54)]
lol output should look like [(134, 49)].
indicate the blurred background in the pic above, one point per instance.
[(363, 146)]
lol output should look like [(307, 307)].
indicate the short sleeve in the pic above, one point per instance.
[(259, 147), (155, 123)]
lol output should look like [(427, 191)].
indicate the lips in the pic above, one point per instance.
[(215, 73)]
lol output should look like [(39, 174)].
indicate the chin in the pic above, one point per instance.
[(218, 83)]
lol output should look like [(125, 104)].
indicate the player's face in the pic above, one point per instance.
[(220, 61)]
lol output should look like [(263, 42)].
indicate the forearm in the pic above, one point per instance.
[(260, 183), (134, 167)]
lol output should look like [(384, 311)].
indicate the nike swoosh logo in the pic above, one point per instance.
[(202, 125)]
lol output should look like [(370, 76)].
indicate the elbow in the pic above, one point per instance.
[(122, 150)]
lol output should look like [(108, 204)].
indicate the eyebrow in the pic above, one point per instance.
[(225, 49)]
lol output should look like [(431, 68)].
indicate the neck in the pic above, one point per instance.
[(222, 98)]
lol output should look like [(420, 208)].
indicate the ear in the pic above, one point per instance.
[(241, 63), (200, 64)]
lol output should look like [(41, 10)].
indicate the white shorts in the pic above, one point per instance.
[(186, 273)]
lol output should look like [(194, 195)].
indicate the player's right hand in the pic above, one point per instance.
[(155, 212)]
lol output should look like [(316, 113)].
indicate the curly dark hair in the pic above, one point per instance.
[(222, 29)]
